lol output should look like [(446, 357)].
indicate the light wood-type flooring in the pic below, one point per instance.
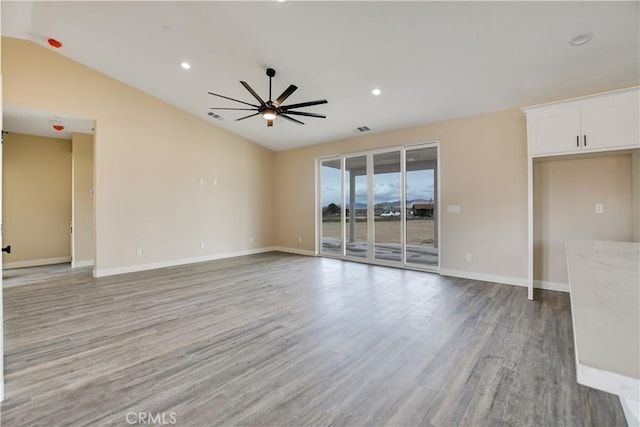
[(285, 340)]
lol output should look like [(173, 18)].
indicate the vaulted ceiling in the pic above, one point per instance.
[(431, 60)]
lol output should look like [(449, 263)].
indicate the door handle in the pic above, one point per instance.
[(7, 249), (577, 140), (585, 140)]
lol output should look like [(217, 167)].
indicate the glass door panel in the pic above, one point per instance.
[(331, 229), (355, 189), (387, 203), (421, 200)]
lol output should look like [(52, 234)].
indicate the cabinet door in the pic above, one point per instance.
[(554, 131), (611, 123)]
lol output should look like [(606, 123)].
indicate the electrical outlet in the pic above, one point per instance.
[(215, 182), (138, 251), (250, 239), (201, 181), (201, 245), (468, 257), (599, 208), (299, 239)]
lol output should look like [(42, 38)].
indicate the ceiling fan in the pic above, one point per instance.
[(272, 109)]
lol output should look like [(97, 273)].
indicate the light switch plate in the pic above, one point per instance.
[(599, 208), (453, 208)]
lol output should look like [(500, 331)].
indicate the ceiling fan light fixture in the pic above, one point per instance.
[(271, 109), (269, 114)]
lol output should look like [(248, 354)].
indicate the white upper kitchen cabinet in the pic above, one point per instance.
[(603, 122)]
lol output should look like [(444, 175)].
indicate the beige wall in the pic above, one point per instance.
[(483, 169), (36, 200), (82, 203), (566, 191), (635, 192), (149, 159)]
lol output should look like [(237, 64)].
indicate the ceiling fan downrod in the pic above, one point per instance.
[(271, 73)]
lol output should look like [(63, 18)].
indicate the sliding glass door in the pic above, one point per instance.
[(387, 205), (355, 190), (421, 218), (331, 202), (381, 206)]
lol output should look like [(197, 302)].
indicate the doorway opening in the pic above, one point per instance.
[(47, 189)]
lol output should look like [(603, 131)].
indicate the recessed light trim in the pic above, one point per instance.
[(581, 39), (185, 65), (376, 92)]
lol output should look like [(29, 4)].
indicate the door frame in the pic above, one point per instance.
[(1, 286)]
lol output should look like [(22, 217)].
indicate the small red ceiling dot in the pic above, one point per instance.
[(58, 127), (55, 43)]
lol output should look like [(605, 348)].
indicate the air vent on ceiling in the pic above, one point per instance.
[(215, 116), (362, 129)]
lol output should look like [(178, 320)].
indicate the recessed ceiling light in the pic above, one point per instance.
[(280, 1), (580, 40), (185, 65), (376, 91)]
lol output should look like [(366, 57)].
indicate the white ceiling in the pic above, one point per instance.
[(30, 121), (432, 60)]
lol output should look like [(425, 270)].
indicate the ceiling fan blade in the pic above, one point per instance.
[(231, 99), (285, 95), (236, 109), (246, 117), (303, 104), (302, 113), (269, 123), (253, 92), (284, 116)]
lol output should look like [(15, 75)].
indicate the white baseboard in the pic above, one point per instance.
[(294, 251), (505, 280), (36, 262), (78, 264), (172, 263), (551, 286)]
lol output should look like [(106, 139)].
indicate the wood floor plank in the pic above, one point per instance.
[(283, 340)]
